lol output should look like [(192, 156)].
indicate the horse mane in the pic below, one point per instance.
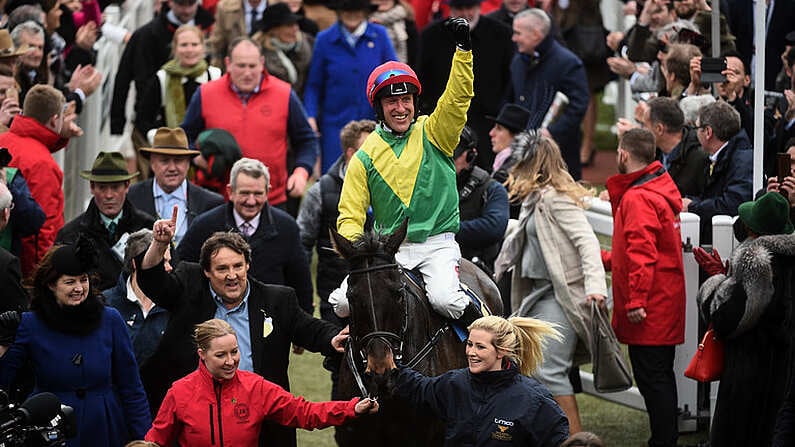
[(370, 244)]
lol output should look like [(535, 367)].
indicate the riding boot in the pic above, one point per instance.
[(471, 313)]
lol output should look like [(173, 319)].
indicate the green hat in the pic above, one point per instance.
[(109, 167), (767, 215)]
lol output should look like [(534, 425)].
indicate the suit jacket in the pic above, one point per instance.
[(185, 293), (276, 254), (199, 199), (14, 296)]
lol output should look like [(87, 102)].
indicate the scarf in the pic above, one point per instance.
[(175, 95), (281, 48), (82, 319), (513, 244)]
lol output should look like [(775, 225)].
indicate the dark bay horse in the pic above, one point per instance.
[(388, 309)]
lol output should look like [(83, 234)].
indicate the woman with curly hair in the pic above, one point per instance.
[(557, 267), (80, 351)]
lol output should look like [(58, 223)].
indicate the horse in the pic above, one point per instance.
[(390, 311)]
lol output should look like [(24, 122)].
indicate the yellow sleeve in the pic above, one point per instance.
[(354, 200), (443, 127)]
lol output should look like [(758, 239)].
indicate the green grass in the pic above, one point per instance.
[(617, 425)]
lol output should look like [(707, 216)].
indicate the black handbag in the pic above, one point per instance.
[(588, 43), (610, 371)]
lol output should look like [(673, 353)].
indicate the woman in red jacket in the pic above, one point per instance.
[(219, 405)]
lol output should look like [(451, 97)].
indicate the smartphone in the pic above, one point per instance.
[(783, 166), (13, 93), (712, 69)]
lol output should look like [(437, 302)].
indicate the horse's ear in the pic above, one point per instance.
[(342, 245), (395, 239)]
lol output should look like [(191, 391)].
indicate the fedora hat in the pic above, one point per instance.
[(7, 48), (169, 141), (767, 215), (462, 3), (276, 15), (109, 167), (514, 117), (353, 5)]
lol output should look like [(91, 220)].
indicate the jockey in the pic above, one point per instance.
[(405, 169)]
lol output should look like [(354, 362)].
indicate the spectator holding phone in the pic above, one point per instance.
[(784, 182)]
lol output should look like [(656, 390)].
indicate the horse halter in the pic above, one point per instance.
[(389, 338)]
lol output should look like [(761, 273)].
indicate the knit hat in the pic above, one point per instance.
[(767, 215)]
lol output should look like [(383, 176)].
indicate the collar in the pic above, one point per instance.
[(172, 19), (714, 157), (181, 193), (253, 222), (356, 34), (240, 306), (260, 8), (107, 220), (246, 96)]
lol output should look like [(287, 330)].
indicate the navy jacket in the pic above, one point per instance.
[(276, 253), (496, 408), (730, 184), (145, 333), (534, 82)]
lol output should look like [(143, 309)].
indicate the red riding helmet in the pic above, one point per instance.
[(399, 77)]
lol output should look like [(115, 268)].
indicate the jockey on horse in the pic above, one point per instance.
[(405, 169)]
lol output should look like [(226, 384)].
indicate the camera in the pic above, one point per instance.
[(40, 421), (712, 69)]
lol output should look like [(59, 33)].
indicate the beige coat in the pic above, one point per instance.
[(230, 23), (573, 260)]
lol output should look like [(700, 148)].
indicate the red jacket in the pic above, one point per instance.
[(31, 145), (647, 257), (200, 411), (259, 126)]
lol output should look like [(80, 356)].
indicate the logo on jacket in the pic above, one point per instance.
[(502, 433), (241, 412)]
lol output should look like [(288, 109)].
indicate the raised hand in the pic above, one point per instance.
[(164, 229), (459, 27)]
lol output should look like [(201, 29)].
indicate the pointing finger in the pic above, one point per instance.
[(174, 214)]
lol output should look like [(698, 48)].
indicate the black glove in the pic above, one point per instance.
[(9, 321), (460, 29)]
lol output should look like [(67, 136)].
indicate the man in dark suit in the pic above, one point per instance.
[(492, 52), (266, 317), (273, 235), (169, 157), (110, 217), (14, 297)]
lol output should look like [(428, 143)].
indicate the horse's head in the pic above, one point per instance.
[(375, 294)]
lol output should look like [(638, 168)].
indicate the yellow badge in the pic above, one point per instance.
[(267, 327)]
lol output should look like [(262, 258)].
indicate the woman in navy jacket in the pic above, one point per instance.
[(493, 402), (80, 351)]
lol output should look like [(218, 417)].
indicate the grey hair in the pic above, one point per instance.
[(539, 19), (137, 243), (690, 106), (252, 168), (30, 27), (5, 197), (722, 118)]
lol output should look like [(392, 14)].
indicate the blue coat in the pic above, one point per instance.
[(495, 408), (103, 386), (145, 332), (534, 82), (336, 88)]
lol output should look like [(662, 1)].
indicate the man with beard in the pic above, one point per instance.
[(648, 277)]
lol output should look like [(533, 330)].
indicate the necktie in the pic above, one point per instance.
[(247, 229), (253, 21), (711, 167), (111, 230)]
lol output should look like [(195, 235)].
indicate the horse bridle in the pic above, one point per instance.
[(386, 336)]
